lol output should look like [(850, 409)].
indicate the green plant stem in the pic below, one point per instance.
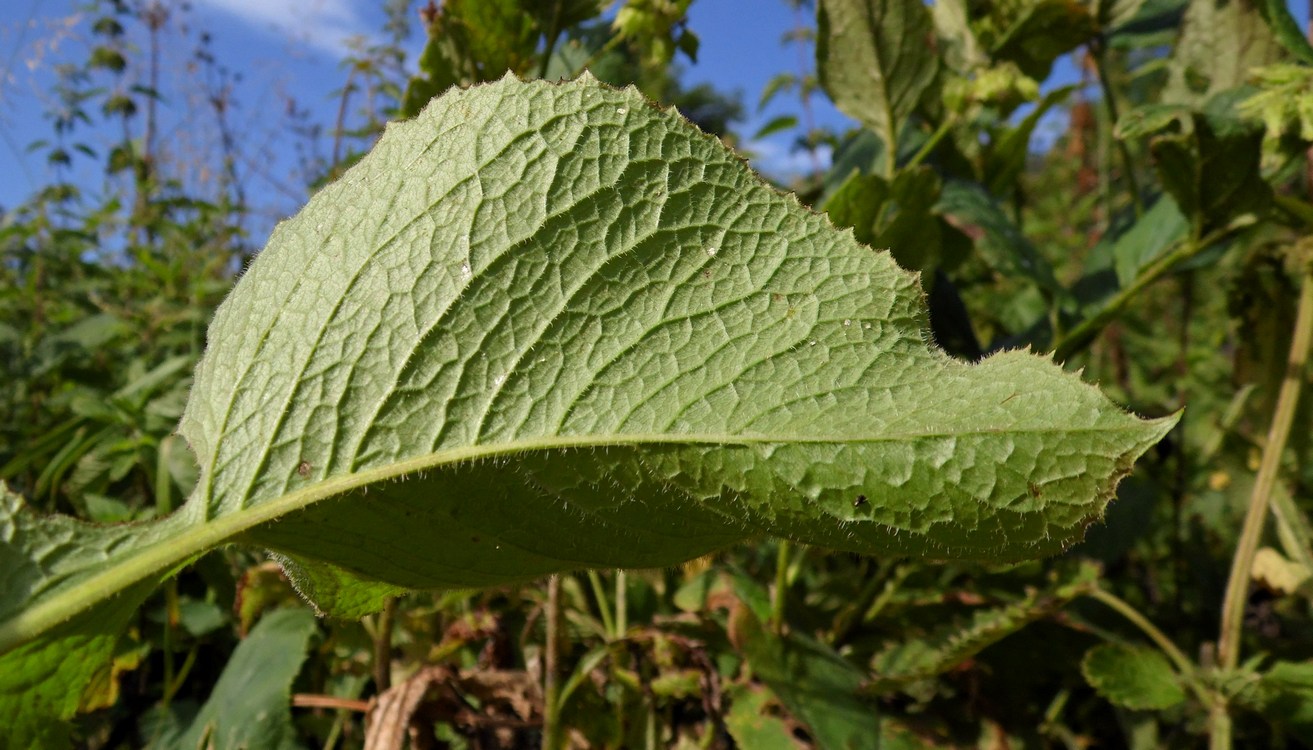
[(1087, 329), (1160, 639), (1097, 50), (383, 645), (621, 603), (781, 586), (1295, 208), (945, 126), (171, 689), (891, 587), (163, 481), (171, 617), (890, 166), (552, 667), (603, 606), (1237, 586)]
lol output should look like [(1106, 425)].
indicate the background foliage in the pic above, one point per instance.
[(1161, 245)]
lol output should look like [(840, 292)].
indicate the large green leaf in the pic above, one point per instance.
[(546, 327), (875, 59)]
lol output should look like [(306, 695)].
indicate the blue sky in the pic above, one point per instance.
[(290, 53)]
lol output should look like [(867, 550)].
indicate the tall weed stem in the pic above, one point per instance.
[(1237, 587)]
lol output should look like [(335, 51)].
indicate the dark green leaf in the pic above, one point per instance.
[(818, 687), (250, 706)]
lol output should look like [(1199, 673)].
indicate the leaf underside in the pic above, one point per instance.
[(544, 327)]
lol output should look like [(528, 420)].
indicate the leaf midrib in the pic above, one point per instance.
[(197, 539)]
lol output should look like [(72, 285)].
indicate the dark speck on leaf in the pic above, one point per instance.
[(860, 501), (303, 469)]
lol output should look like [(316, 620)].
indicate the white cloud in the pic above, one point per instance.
[(777, 156), (322, 24)]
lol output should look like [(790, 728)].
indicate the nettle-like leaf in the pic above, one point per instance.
[(902, 664), (1137, 678), (548, 327)]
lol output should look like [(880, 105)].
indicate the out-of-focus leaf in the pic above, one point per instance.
[(470, 41), (862, 152), (1294, 531), (1111, 14), (1213, 173), (199, 617), (909, 228), (1155, 233), (819, 688), (778, 83), (958, 45), (1279, 574), (1137, 678), (1283, 100), (657, 29), (1007, 157), (250, 705), (897, 217), (776, 125), (1155, 24), (1034, 33), (1287, 30), (102, 690), (751, 723), (875, 59), (563, 14), (1151, 119), (969, 207), (1284, 696), (261, 587), (1221, 42), (939, 651)]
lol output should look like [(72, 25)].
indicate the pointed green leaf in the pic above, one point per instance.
[(250, 705), (1148, 239), (547, 327), (1286, 29)]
